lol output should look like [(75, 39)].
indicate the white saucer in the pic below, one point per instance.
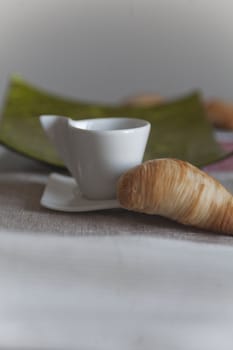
[(62, 193)]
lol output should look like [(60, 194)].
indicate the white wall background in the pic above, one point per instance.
[(105, 49)]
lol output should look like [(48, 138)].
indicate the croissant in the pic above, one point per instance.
[(179, 191)]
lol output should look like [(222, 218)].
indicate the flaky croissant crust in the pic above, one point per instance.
[(177, 190)]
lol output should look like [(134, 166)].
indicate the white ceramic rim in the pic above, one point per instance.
[(137, 124)]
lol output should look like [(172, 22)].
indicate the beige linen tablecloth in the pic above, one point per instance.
[(107, 279), (22, 182), (111, 293)]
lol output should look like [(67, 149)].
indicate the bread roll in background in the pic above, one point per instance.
[(143, 100), (220, 113)]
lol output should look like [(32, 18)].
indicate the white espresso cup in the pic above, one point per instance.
[(98, 151)]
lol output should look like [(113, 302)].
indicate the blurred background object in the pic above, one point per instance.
[(143, 100), (220, 113), (105, 50)]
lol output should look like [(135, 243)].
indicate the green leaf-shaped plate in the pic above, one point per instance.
[(179, 128)]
